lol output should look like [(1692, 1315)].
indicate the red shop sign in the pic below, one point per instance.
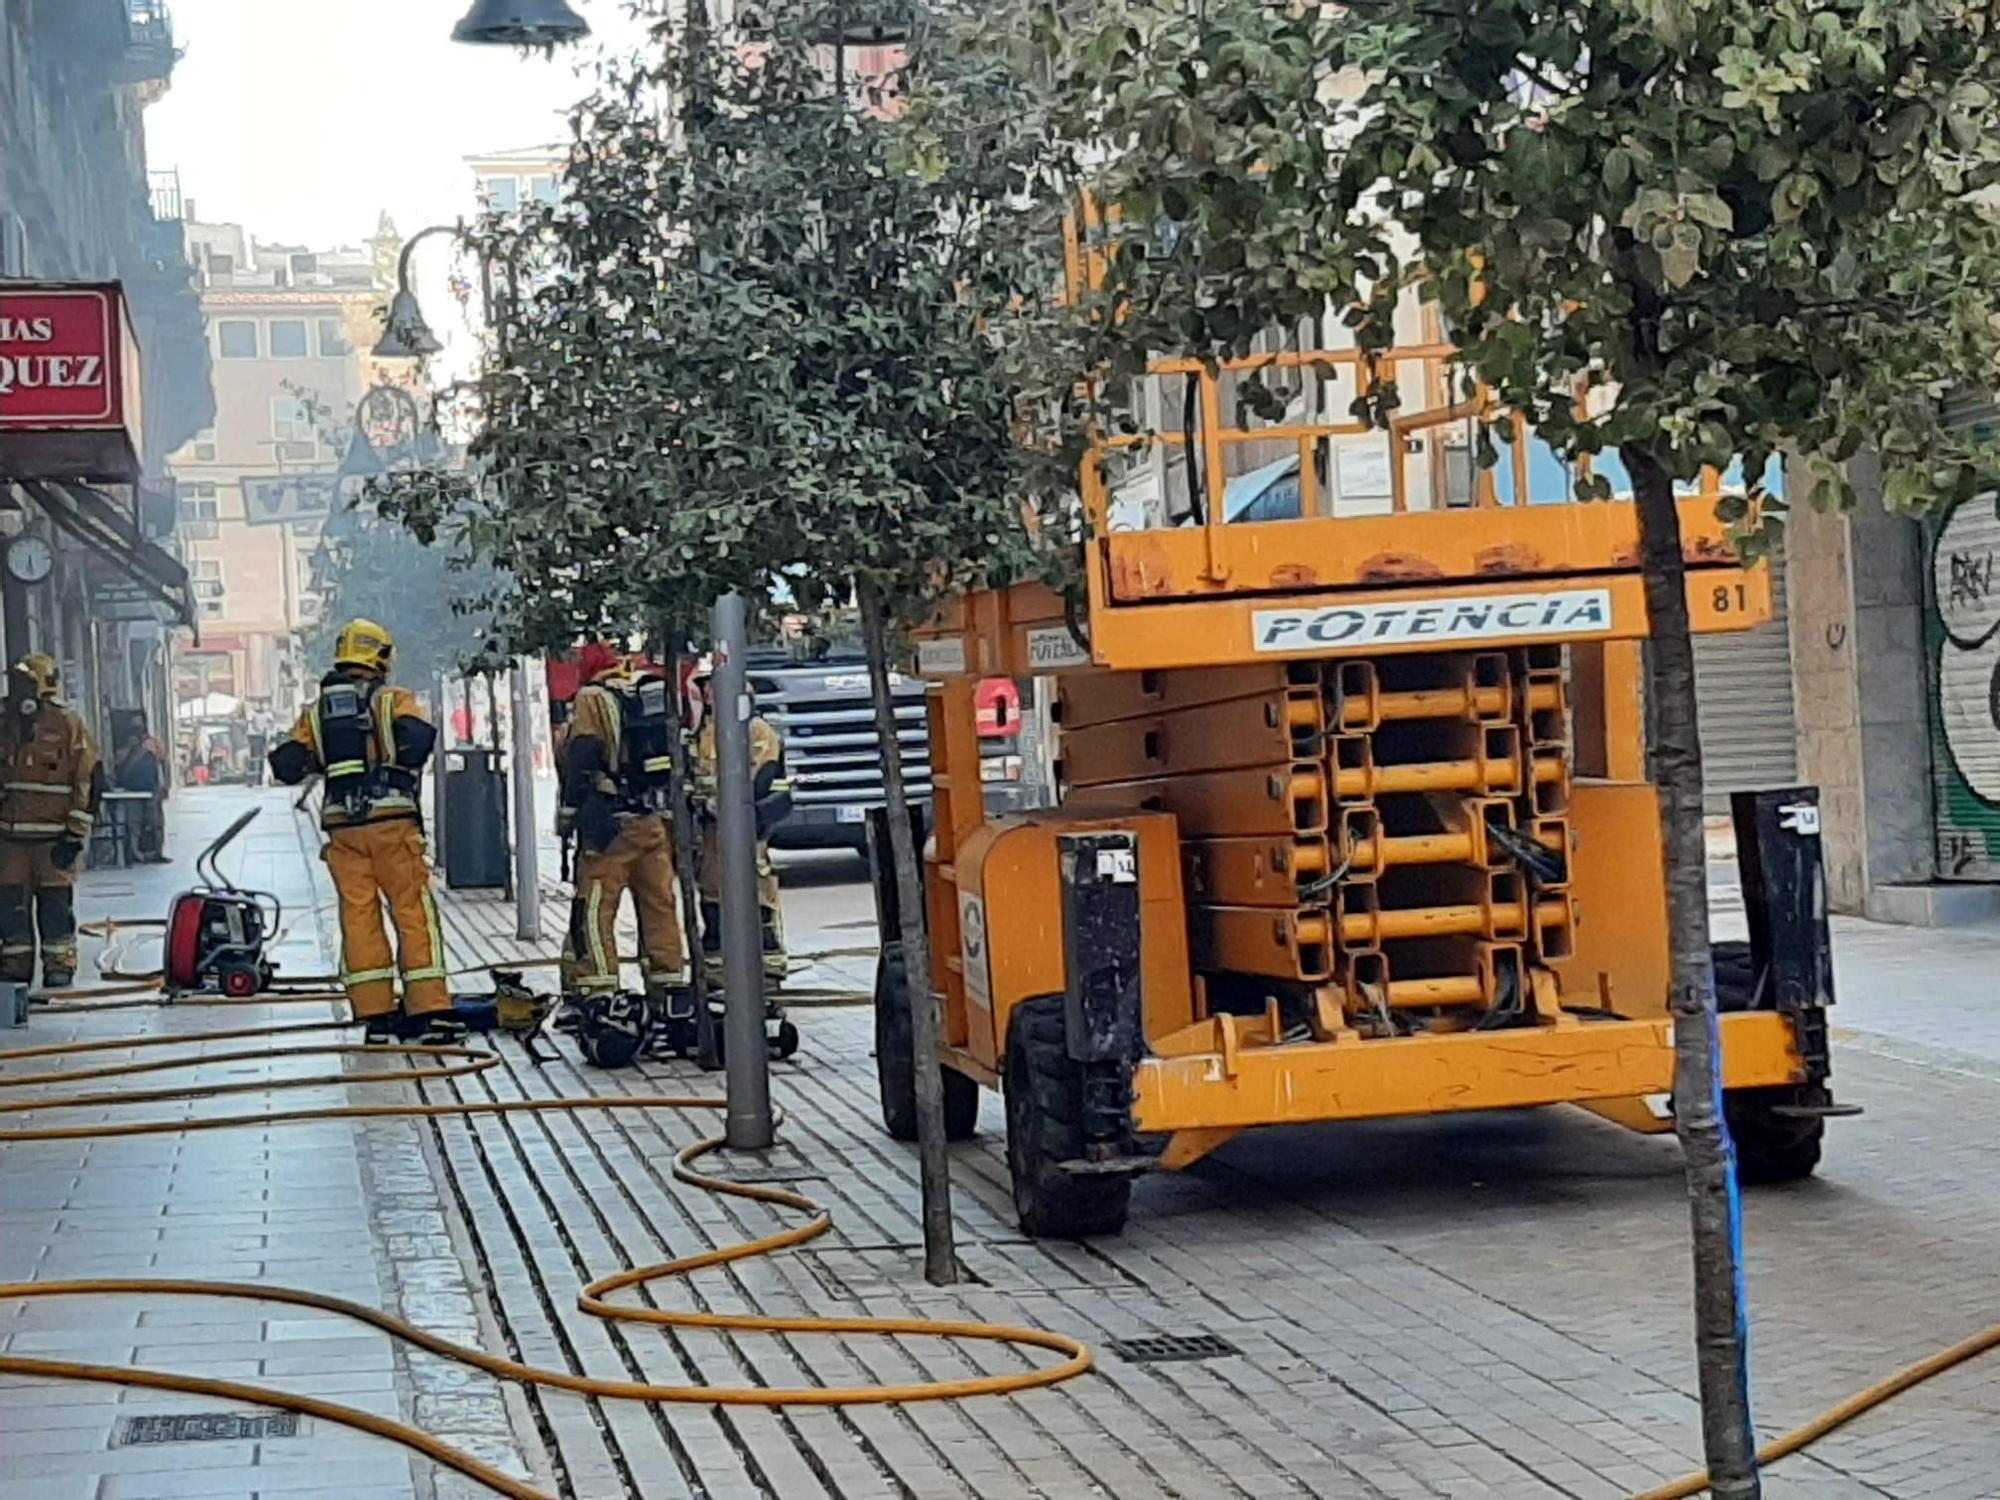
[(68, 365)]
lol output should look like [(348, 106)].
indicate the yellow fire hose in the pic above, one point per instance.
[(457, 1062), (463, 1061)]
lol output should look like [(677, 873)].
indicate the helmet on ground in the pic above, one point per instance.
[(363, 643), (40, 668), (596, 659)]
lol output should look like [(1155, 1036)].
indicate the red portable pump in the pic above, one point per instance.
[(217, 931)]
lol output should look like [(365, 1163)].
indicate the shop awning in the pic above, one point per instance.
[(96, 520)]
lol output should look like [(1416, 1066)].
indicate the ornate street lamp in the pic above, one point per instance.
[(406, 335)]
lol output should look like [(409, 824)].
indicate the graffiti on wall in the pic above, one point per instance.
[(1962, 630)]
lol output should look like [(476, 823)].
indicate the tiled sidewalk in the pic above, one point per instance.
[(333, 1207), (1481, 1306), (1484, 1305)]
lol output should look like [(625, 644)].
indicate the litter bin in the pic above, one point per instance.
[(476, 857)]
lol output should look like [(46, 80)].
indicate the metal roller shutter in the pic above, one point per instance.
[(1749, 734)]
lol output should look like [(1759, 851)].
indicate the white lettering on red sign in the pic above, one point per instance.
[(62, 357), (50, 372)]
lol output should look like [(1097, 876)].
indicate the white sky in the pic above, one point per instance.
[(304, 119)]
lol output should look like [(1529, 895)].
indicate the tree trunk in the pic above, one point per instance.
[(1722, 1330), (940, 1251), (680, 810)]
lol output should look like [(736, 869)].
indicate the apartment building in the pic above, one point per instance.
[(77, 204), (289, 330)]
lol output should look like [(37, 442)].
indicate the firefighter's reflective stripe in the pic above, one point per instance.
[(604, 966), (385, 723), (658, 765), (367, 976), (346, 767), (45, 830), (435, 969), (42, 786)]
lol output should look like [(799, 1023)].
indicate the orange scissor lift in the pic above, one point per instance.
[(1353, 816)]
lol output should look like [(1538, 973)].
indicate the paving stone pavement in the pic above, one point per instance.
[(334, 1207), (1488, 1305)]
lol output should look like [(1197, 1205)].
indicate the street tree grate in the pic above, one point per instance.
[(206, 1427), (1161, 1348)]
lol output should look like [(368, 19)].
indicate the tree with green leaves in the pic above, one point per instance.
[(754, 348), (1740, 229)]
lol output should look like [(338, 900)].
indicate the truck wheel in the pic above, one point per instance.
[(896, 1060), (1045, 1129), (1770, 1146)]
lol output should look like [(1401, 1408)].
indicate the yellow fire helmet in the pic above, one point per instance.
[(363, 643), (41, 668)]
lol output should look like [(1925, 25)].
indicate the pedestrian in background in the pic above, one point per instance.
[(138, 766)]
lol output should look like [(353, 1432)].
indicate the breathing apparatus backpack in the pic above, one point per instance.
[(356, 750), (646, 741)]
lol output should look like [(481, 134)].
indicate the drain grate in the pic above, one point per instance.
[(1159, 1348), (206, 1427)]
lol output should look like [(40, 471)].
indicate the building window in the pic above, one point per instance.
[(236, 338), (201, 512), (288, 338), (220, 267), (305, 265), (292, 429), (502, 194), (205, 576), (333, 342), (201, 448), (543, 190)]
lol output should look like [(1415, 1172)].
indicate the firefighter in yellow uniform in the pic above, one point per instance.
[(47, 809), (616, 761), (369, 742), (771, 792)]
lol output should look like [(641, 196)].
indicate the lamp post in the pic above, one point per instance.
[(405, 334), (408, 336)]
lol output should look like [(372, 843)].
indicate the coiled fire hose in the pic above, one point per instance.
[(463, 1061), (459, 1062)]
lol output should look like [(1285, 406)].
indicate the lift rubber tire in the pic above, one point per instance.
[(896, 1060), (1045, 1128), (1770, 1147)]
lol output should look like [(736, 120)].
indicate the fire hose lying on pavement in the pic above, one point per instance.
[(593, 1299), (459, 1062)]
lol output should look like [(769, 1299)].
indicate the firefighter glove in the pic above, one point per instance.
[(65, 853)]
